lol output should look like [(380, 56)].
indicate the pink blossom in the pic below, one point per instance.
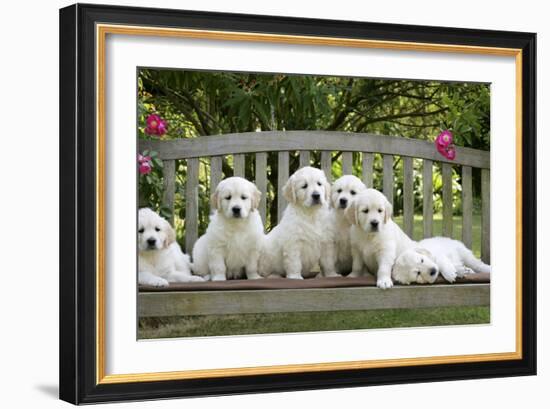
[(145, 168), (156, 125), (451, 152), (444, 145), (142, 158)]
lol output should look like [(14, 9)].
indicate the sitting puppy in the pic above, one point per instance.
[(343, 192), (453, 258), (375, 239), (231, 245), (160, 259), (301, 240), (415, 265)]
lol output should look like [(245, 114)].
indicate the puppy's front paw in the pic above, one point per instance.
[(218, 277), (253, 276), (384, 283), (196, 279), (295, 276), (158, 282), (331, 274), (461, 272), (354, 274), (450, 276)]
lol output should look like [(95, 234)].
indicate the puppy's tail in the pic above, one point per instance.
[(474, 263)]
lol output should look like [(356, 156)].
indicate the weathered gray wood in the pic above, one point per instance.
[(305, 158), (251, 142), (326, 164), (169, 186), (467, 206), (447, 176), (166, 304), (191, 203), (427, 201), (367, 166), (347, 163), (486, 215), (261, 180), (408, 196), (216, 174), (238, 165), (282, 177), (388, 177)]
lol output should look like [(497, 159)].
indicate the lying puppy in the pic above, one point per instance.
[(453, 258), (415, 265), (343, 192), (301, 240), (231, 245), (160, 259), (375, 239)]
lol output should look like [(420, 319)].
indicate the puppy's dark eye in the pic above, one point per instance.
[(421, 260), (319, 183), (380, 210), (141, 230), (365, 210), (157, 228), (352, 192), (339, 191), (305, 186), (243, 197), (228, 197)]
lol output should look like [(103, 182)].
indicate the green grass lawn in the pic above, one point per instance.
[(196, 326)]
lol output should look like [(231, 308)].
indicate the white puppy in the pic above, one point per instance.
[(376, 240), (160, 259), (343, 192), (415, 265), (231, 245), (453, 258), (302, 239)]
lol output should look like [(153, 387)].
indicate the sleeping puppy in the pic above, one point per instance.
[(231, 245), (160, 259), (376, 240), (415, 265), (453, 258), (343, 192), (302, 239)]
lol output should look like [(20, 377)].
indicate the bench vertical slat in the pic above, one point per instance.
[(467, 206), (326, 164), (305, 158), (261, 180), (427, 193), (169, 186), (447, 175), (238, 165), (347, 163), (215, 173), (367, 166), (486, 215), (282, 177), (191, 203), (408, 196), (388, 177)]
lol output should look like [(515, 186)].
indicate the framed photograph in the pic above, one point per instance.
[(257, 203)]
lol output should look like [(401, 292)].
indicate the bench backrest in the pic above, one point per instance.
[(329, 144)]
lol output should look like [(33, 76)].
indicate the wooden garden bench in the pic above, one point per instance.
[(244, 296)]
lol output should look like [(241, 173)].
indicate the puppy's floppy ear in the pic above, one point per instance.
[(351, 213), (215, 200), (424, 252), (256, 197), (289, 193), (388, 210), (170, 234)]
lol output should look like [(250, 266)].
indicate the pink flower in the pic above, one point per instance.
[(444, 139), (142, 158), (444, 145), (156, 125), (145, 168)]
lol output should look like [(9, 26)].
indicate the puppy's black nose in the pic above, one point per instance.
[(236, 211), (151, 241), (433, 271), (316, 196), (343, 202), (374, 223)]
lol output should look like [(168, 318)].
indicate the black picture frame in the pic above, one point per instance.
[(78, 236)]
